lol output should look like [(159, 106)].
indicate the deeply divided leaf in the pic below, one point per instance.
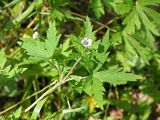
[(37, 48)]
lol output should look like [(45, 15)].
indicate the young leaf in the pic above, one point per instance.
[(115, 76), (88, 29)]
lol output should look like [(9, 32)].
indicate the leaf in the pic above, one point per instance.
[(3, 58), (87, 88), (148, 39), (86, 58), (122, 7), (153, 14), (125, 61), (147, 23), (77, 44), (84, 85), (65, 45), (36, 48), (132, 22), (88, 29), (65, 48), (137, 17), (92, 87), (17, 113), (143, 52), (100, 59), (57, 14), (87, 62), (38, 108), (52, 39), (2, 118), (97, 7), (115, 76), (11, 117), (31, 60), (130, 52), (97, 91), (104, 45), (149, 2), (101, 56)]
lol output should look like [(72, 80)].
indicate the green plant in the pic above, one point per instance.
[(76, 63)]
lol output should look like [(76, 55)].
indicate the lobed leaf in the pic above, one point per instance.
[(34, 48), (40, 49)]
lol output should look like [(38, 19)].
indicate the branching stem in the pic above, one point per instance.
[(64, 80)]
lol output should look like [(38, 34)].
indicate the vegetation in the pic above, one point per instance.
[(79, 60)]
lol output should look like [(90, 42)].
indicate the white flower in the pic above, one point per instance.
[(35, 35), (86, 42)]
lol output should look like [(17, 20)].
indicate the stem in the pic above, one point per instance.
[(54, 87), (32, 22), (99, 23), (107, 106), (13, 106), (116, 92), (35, 88), (103, 26), (24, 14), (11, 3), (44, 95)]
